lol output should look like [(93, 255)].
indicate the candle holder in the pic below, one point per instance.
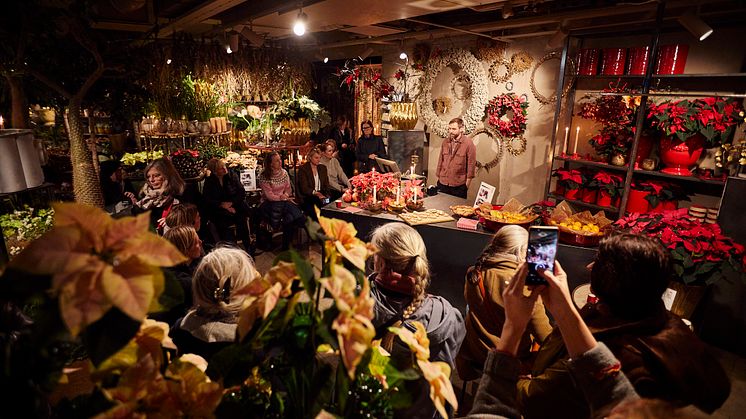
[(396, 206), (415, 206), (375, 207), (574, 156)]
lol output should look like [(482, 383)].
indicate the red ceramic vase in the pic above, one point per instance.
[(572, 193), (672, 59), (644, 147), (656, 209), (670, 205), (638, 60), (636, 201), (613, 61), (588, 62), (679, 157), (588, 195)]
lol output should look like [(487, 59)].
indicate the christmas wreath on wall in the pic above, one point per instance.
[(478, 78), (499, 111)]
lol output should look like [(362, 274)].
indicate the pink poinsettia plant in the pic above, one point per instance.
[(699, 252), (714, 118)]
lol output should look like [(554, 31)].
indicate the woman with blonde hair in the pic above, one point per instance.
[(186, 239), (211, 324), (313, 183), (163, 186), (399, 286), (338, 181), (483, 288)]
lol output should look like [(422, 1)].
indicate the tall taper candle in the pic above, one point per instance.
[(564, 144), (575, 147)]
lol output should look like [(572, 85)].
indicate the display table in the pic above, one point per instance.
[(451, 250)]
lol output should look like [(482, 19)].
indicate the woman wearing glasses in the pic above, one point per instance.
[(369, 146)]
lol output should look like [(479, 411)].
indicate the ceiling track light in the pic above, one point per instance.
[(368, 51), (507, 9), (695, 25), (233, 41), (299, 27), (254, 38)]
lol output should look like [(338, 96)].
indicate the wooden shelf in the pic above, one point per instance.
[(592, 163), (655, 173), (559, 198)]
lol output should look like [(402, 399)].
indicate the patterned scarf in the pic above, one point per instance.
[(153, 198)]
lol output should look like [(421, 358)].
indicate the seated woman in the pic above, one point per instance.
[(313, 183), (211, 324), (278, 205), (162, 187), (485, 282), (369, 146), (338, 181), (184, 215), (185, 239), (113, 187), (225, 204), (398, 285), (659, 354)]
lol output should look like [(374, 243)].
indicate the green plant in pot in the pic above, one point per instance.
[(700, 253), (690, 125)]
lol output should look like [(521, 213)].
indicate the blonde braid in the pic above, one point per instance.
[(419, 297)]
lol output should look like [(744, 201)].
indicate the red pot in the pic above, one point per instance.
[(672, 59), (588, 62), (636, 201), (638, 60), (588, 195), (605, 200), (656, 209), (613, 61), (560, 190), (679, 157), (644, 147), (670, 205), (572, 193)]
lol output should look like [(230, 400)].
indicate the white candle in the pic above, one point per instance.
[(2, 123), (374, 193), (575, 147), (564, 144), (414, 195), (411, 169), (398, 193)]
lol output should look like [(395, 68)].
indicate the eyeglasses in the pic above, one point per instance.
[(367, 127)]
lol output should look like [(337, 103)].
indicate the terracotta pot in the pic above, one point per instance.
[(588, 62), (636, 201), (644, 147), (572, 193), (588, 195), (678, 157), (605, 199), (613, 61), (672, 59), (638, 60)]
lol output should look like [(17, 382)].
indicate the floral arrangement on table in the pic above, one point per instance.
[(251, 120), (362, 188), (188, 163), (714, 118), (201, 98), (408, 188), (500, 106), (296, 107), (23, 226), (89, 283), (699, 253), (141, 157), (616, 113)]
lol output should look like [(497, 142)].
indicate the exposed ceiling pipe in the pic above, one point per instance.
[(451, 28)]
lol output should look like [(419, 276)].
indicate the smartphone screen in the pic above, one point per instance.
[(542, 248)]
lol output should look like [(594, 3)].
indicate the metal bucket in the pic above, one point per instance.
[(20, 167)]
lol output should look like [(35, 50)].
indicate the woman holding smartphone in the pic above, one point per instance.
[(483, 288)]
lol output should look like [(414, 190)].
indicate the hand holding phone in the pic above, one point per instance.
[(541, 252)]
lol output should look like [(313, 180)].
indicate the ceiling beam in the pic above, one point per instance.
[(199, 14)]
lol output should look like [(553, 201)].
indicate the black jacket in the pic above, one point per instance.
[(306, 184), (366, 147), (230, 191)]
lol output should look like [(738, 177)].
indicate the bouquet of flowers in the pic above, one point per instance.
[(699, 252), (188, 163), (21, 227), (661, 192), (353, 72), (296, 107), (714, 118), (385, 187)]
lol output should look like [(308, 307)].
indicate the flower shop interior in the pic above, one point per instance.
[(321, 208)]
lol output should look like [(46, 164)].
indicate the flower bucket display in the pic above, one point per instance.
[(672, 59), (403, 115), (588, 62), (606, 200), (188, 163), (613, 61), (636, 201), (638, 60), (679, 156), (572, 193)]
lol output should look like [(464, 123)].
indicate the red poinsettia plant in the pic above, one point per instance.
[(661, 191), (699, 252), (610, 183), (186, 153), (570, 179), (714, 118), (362, 187)]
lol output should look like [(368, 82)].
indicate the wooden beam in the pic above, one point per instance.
[(199, 14)]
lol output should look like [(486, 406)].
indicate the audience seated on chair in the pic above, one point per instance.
[(313, 183), (278, 205), (224, 198)]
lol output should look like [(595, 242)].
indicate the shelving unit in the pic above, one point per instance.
[(649, 85)]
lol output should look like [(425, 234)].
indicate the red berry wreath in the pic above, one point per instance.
[(501, 106)]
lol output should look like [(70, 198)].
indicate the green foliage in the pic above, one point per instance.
[(21, 227), (209, 150)]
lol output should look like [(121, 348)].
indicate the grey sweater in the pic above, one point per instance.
[(603, 386)]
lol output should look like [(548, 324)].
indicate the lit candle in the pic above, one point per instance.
[(398, 193), (564, 145), (2, 122), (575, 147), (414, 195), (411, 169), (374, 193)]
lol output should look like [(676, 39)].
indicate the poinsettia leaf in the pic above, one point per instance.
[(108, 335), (687, 262), (158, 280), (82, 300), (130, 287), (304, 269), (704, 268), (90, 220), (678, 269), (152, 249), (120, 230), (51, 253)]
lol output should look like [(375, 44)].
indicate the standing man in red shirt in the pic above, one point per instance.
[(458, 157)]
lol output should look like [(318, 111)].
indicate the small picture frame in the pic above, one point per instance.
[(485, 194), (248, 179)]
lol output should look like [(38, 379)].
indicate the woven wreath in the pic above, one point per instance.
[(498, 147), (553, 98), (500, 107)]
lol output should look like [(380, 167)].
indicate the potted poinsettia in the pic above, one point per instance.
[(700, 253), (569, 182), (690, 125), (609, 188), (188, 163)]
